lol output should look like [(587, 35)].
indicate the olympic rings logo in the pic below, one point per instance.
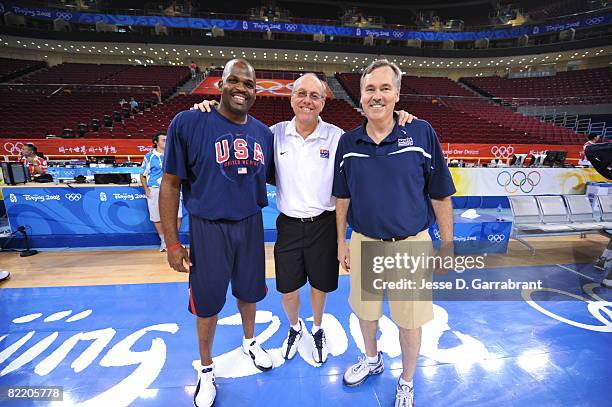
[(502, 152), (73, 197), (291, 27), (518, 180), (594, 20), (496, 238), (13, 148), (64, 15), (398, 34)]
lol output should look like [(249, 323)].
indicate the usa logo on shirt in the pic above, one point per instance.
[(404, 142), (324, 153)]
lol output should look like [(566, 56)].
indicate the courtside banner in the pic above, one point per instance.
[(52, 148), (265, 87), (136, 147), (522, 181), (506, 151)]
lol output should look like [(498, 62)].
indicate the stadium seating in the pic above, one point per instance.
[(51, 109), (589, 86), (459, 115), (36, 115), (410, 85), (268, 109), (168, 78), (11, 68)]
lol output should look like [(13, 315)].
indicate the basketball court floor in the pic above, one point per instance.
[(112, 329)]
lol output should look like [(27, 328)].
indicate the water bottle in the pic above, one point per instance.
[(499, 213)]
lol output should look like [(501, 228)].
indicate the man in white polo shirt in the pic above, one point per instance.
[(304, 151), (306, 244)]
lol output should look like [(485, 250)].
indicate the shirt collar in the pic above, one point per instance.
[(155, 152), (317, 133), (391, 137)]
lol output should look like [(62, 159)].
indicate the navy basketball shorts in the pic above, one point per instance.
[(222, 251), (306, 250)]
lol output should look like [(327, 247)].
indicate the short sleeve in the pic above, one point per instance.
[(340, 188), (175, 155), (144, 167), (439, 180)]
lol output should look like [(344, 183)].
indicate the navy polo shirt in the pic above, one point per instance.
[(223, 165), (390, 184)]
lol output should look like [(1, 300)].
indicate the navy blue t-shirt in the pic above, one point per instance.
[(223, 165), (390, 184)]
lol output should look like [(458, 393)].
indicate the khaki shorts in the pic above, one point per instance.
[(153, 204), (405, 313)]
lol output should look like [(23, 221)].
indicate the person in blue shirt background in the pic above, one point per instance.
[(391, 184), (133, 105), (222, 160), (150, 178)]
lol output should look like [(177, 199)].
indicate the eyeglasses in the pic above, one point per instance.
[(314, 96)]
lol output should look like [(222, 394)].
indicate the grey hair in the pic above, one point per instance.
[(379, 63), (227, 70), (297, 82)]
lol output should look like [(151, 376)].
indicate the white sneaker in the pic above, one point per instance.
[(607, 283), (205, 392), (4, 275), (162, 247), (290, 345), (404, 396), (360, 371), (320, 350), (261, 358)]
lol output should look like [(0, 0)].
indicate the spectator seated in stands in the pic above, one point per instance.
[(122, 102), (133, 105)]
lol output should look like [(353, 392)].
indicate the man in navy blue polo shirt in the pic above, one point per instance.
[(222, 159), (392, 183)]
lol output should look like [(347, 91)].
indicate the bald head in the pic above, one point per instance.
[(313, 77), (236, 62)]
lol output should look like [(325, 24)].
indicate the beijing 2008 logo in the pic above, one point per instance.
[(518, 180)]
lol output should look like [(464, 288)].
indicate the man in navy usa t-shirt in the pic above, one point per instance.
[(392, 184), (222, 159)]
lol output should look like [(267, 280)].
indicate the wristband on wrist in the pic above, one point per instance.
[(174, 247)]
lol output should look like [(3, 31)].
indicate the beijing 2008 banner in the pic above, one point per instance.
[(265, 87), (139, 147)]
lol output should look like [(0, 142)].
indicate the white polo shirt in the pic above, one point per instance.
[(305, 168)]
